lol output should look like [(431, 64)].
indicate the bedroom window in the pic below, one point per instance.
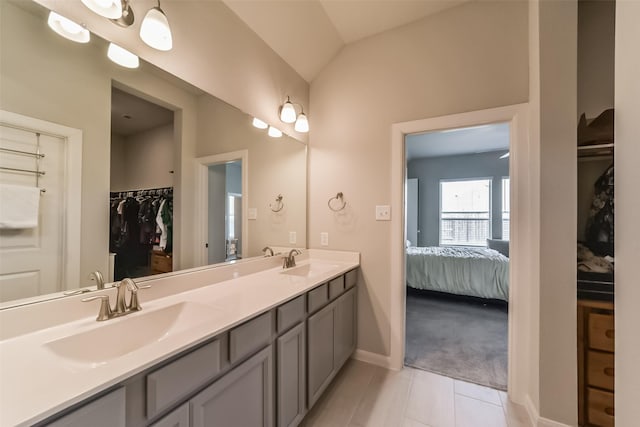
[(505, 208), (465, 212)]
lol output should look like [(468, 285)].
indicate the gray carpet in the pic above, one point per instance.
[(462, 339)]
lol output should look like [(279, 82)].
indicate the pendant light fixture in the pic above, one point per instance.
[(288, 112), (155, 30), (111, 9), (67, 28), (274, 132), (122, 56), (302, 124)]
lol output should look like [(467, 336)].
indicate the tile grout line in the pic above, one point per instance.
[(479, 400), (357, 405), (406, 402)]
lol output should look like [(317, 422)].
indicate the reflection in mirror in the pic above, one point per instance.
[(67, 92)]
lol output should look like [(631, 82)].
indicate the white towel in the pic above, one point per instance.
[(19, 206)]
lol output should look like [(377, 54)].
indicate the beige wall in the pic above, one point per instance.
[(627, 177), (276, 166), (143, 160), (213, 49), (466, 58)]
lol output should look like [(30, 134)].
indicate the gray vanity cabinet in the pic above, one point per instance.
[(105, 411), (176, 418), (241, 398), (291, 373), (345, 330)]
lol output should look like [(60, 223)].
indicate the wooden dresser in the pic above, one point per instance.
[(595, 363), (161, 262)]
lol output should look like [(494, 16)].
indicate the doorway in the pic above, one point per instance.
[(457, 254), (224, 212)]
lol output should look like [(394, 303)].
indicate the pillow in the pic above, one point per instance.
[(501, 246)]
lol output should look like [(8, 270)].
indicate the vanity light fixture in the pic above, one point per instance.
[(111, 9), (288, 114), (274, 132), (67, 28), (155, 30), (259, 123), (122, 56)]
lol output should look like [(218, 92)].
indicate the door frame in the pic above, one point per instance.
[(202, 196), (71, 223), (520, 238)]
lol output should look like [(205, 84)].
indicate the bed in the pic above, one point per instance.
[(476, 272)]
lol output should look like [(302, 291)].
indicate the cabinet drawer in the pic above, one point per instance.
[(350, 279), (173, 382), (600, 371), (289, 314), (600, 409), (176, 418), (106, 411), (249, 337), (601, 332), (336, 287), (317, 298)]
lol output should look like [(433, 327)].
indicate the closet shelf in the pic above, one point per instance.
[(596, 150)]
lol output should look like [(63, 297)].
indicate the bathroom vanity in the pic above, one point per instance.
[(254, 350)]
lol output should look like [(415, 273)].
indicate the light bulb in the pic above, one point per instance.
[(122, 56), (302, 124), (288, 112), (111, 9), (155, 30), (274, 133), (259, 123), (67, 28)]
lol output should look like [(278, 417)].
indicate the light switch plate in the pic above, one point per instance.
[(324, 239), (292, 237), (383, 213), (252, 213)]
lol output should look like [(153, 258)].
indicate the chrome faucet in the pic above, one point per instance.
[(121, 308), (97, 276), (267, 249), (290, 260)]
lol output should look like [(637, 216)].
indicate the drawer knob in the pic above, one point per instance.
[(609, 411), (609, 333), (609, 372)]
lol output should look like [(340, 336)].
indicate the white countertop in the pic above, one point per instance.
[(36, 383)]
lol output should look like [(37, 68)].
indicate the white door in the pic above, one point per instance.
[(412, 211), (31, 260)]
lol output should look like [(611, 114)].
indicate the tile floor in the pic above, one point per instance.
[(367, 395)]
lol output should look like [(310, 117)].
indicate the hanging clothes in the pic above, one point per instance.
[(600, 223)]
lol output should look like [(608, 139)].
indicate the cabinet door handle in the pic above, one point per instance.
[(609, 411), (609, 372), (609, 333)]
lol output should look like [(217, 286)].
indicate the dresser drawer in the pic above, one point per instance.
[(249, 337), (600, 371), (600, 409), (289, 314), (317, 298), (336, 287), (173, 382), (601, 332)]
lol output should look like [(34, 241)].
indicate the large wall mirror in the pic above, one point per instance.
[(128, 145)]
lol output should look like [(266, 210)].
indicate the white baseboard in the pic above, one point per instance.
[(536, 419), (373, 358)]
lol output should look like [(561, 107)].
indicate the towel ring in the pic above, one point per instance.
[(339, 198), (279, 205)]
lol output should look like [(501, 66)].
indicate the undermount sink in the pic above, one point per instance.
[(309, 270), (117, 337)]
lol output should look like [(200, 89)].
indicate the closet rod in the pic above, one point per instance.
[(594, 147), (31, 130), (40, 173), (26, 153)]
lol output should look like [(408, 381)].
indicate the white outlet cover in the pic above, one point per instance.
[(252, 213), (324, 239), (292, 237), (383, 213)]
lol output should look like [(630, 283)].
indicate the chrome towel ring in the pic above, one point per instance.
[(340, 205), (278, 206)]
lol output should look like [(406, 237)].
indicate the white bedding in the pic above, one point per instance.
[(478, 272)]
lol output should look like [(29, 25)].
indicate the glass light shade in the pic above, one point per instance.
[(111, 9), (259, 123), (302, 124), (274, 133), (122, 56), (68, 29), (155, 30), (288, 112)]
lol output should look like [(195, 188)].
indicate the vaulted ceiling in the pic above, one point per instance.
[(307, 34)]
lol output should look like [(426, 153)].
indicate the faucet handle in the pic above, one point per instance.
[(134, 303), (105, 312)]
